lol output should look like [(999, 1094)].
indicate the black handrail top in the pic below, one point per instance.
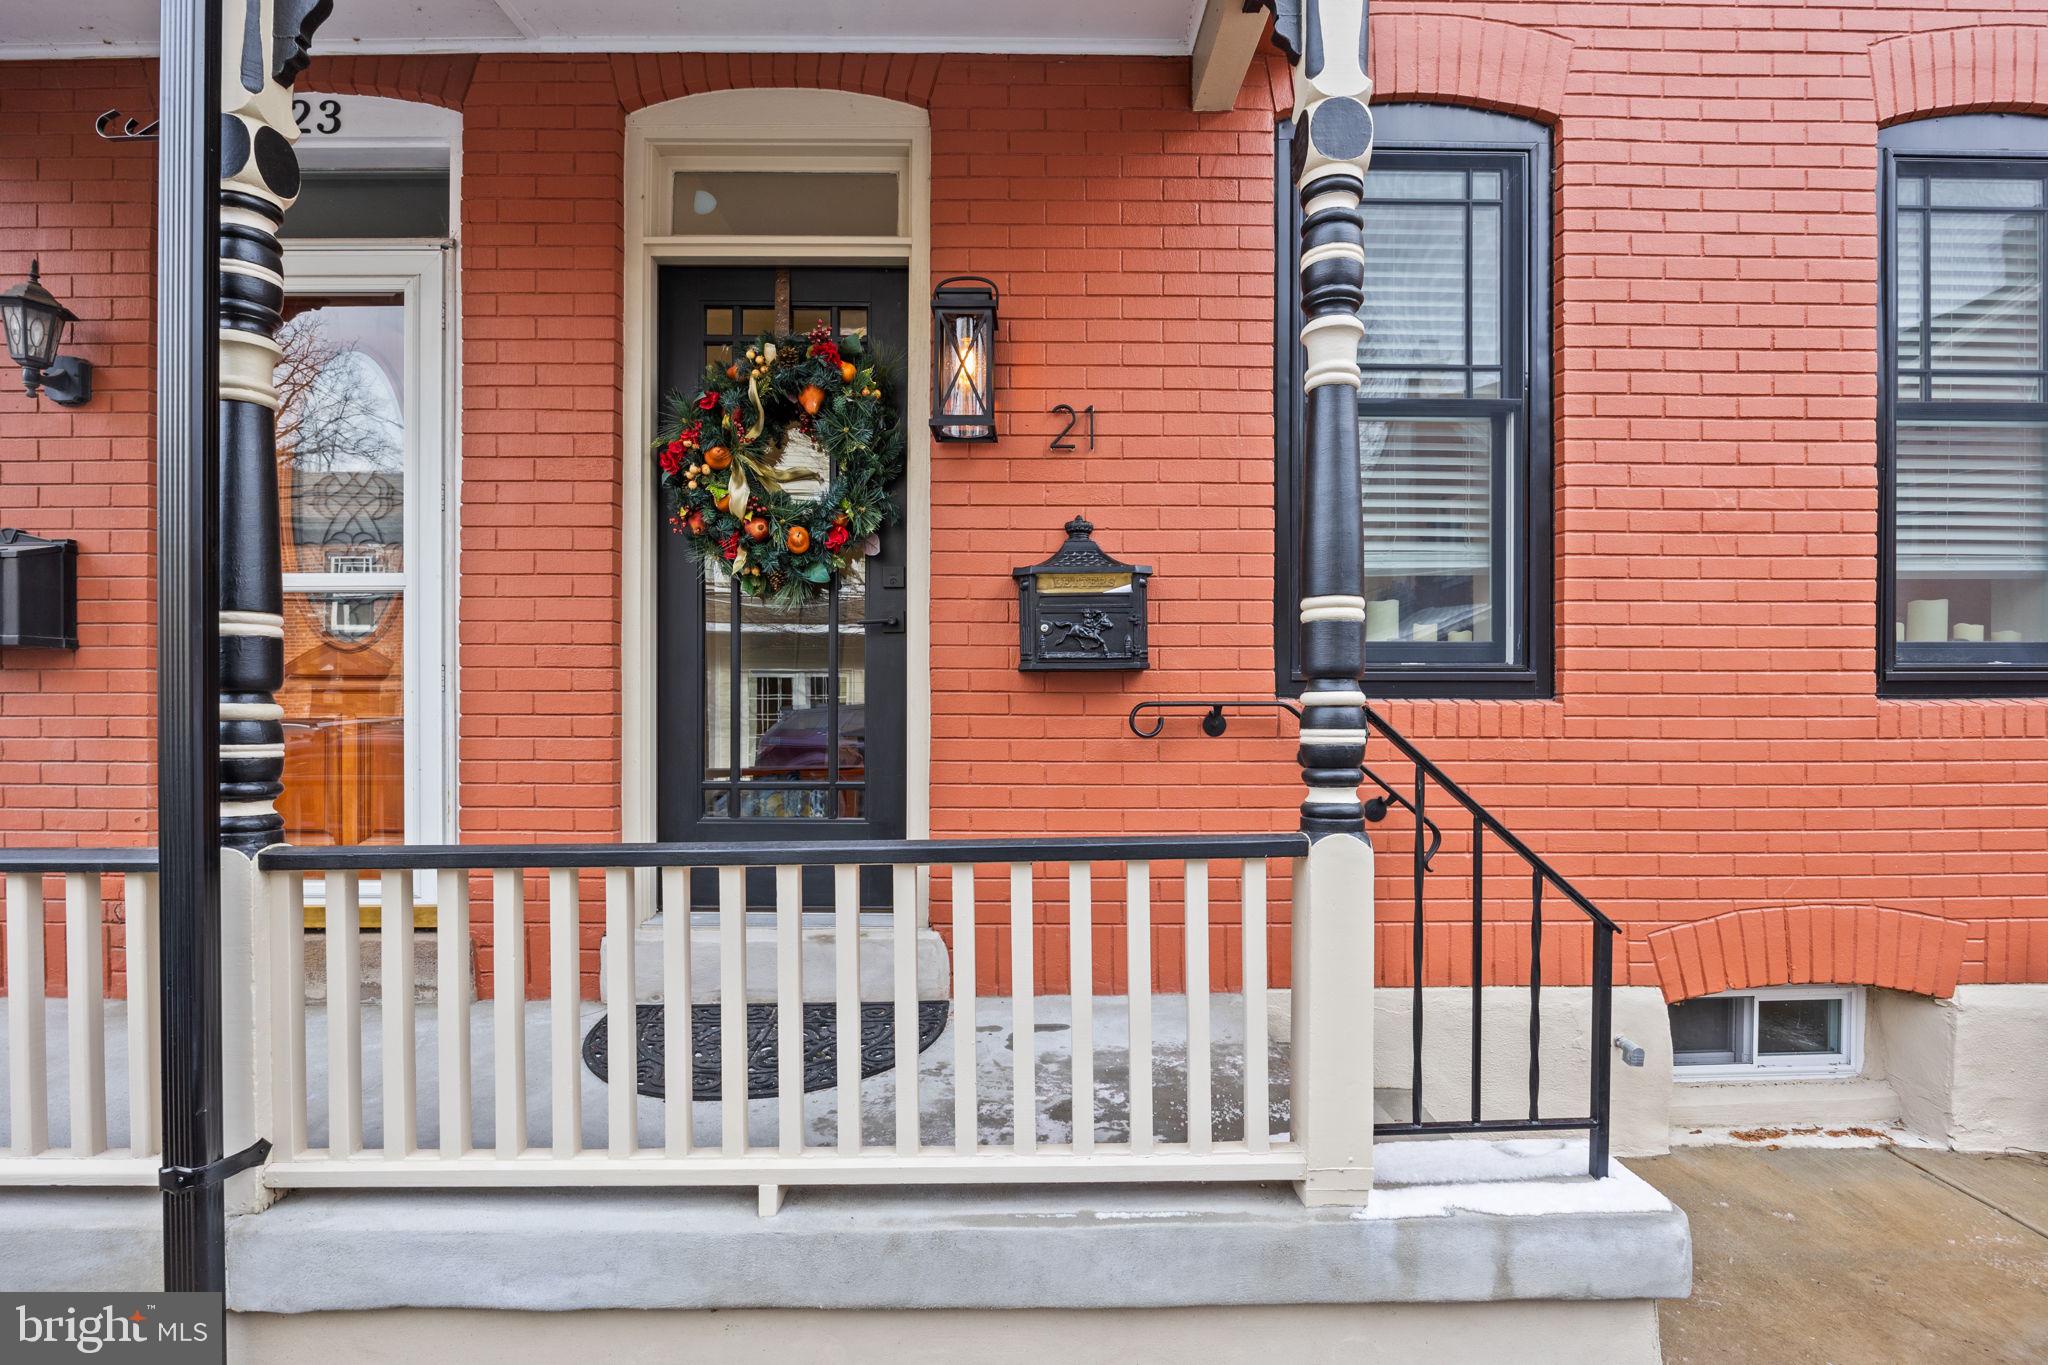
[(1487, 818), (792, 853), (29, 860)]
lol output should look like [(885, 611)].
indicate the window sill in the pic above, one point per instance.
[(1962, 685)]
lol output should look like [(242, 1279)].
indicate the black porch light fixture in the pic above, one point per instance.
[(35, 324), (964, 359)]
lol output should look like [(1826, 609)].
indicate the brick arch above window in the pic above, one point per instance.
[(440, 80), (1479, 62), (649, 78), (1981, 68), (1800, 945)]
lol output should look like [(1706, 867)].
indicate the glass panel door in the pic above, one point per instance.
[(359, 468), (778, 722)]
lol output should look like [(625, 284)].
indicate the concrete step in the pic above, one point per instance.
[(371, 982)]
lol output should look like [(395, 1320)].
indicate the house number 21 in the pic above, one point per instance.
[(1066, 410)]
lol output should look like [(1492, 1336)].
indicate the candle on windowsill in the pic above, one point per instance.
[(1967, 630), (1927, 620), (2008, 637), (1383, 619), (1425, 630)]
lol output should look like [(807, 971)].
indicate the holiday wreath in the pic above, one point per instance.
[(727, 475)]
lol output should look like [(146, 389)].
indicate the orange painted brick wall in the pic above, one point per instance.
[(1715, 745)]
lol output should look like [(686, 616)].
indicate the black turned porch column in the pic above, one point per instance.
[(267, 43), (1332, 145)]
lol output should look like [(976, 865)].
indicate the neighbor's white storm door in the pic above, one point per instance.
[(365, 479)]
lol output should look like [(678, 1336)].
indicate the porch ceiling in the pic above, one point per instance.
[(119, 28)]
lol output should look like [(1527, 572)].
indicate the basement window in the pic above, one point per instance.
[(1776, 1034)]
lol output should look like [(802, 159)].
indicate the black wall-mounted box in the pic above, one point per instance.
[(38, 592), (1081, 609)]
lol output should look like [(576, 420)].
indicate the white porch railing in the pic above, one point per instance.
[(418, 1082), (488, 1071), (54, 1128)]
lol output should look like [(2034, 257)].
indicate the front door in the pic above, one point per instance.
[(777, 723)]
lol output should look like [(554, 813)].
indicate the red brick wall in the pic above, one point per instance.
[(1715, 745)]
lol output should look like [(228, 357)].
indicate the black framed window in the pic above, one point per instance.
[(1454, 411), (1963, 407)]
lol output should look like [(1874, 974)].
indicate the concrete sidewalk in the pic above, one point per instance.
[(1878, 1254)]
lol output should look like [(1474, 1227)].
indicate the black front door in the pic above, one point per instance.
[(777, 723)]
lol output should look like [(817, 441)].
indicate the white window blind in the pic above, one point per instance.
[(1427, 495), (1972, 498)]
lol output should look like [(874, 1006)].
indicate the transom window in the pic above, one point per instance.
[(1453, 411), (1783, 1033), (1965, 406)]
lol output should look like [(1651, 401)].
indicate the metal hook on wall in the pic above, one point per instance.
[(1213, 721), (131, 130)]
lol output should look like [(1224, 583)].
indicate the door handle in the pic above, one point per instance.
[(890, 625)]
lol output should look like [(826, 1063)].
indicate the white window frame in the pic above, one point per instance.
[(418, 272), (1802, 1067)]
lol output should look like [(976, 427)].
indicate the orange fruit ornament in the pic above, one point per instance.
[(718, 457), (847, 371), (811, 399), (732, 371), (757, 528), (798, 539)]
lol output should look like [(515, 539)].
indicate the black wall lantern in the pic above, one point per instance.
[(1081, 609), (36, 324), (964, 359)]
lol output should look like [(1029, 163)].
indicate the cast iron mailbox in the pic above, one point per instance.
[(1081, 609), (38, 592)]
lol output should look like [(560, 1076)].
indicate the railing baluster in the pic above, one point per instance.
[(622, 1017), (1257, 1136), (1081, 1000), (1023, 1015), (1196, 939), (344, 1015), (789, 1010), (508, 1007), (1603, 1049), (451, 1009), (1478, 954), (85, 985), (290, 995), (732, 1010), (966, 1118), (846, 1007), (678, 1059), (28, 1094), (1535, 988), (565, 1010), (903, 940), (401, 1105), (1138, 927), (1415, 1001), (145, 1048)]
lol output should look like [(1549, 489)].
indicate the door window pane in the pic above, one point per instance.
[(717, 203), (341, 437), (344, 729)]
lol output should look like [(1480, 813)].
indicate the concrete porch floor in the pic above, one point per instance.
[(1867, 1254), (995, 1053)]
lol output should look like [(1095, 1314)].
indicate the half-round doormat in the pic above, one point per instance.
[(821, 1041)]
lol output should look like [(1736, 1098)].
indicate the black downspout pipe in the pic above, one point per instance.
[(188, 464)]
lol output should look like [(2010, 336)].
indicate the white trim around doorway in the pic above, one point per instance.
[(786, 130)]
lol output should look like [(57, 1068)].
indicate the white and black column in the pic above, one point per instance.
[(1333, 143), (266, 42)]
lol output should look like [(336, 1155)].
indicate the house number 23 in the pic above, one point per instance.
[(327, 113), (1066, 410)]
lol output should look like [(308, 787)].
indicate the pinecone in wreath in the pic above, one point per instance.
[(776, 579)]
